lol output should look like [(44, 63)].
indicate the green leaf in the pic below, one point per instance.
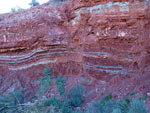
[(132, 93)]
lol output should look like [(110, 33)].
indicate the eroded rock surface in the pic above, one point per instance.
[(104, 45)]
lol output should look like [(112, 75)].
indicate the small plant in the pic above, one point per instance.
[(123, 105), (16, 9), (11, 103), (110, 105), (53, 101), (76, 95), (137, 106), (48, 71), (45, 80), (106, 99), (103, 106), (67, 102), (132, 93), (66, 105), (60, 85)]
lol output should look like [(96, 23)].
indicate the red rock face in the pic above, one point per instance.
[(103, 45)]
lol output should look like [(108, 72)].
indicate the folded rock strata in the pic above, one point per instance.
[(98, 39)]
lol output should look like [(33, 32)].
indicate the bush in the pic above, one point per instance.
[(11, 103), (61, 85), (106, 105), (123, 105), (110, 105), (64, 104), (45, 81), (16, 9), (76, 95), (137, 106), (34, 3), (67, 102)]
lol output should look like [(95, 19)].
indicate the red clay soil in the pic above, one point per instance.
[(102, 44)]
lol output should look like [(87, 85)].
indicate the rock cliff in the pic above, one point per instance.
[(103, 44)]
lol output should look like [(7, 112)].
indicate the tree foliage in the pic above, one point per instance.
[(34, 3)]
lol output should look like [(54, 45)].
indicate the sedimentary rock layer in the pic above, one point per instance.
[(103, 37), (95, 38)]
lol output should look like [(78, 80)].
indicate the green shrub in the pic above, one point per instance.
[(34, 3), (11, 103), (132, 93), (124, 105), (49, 109), (76, 95), (106, 99), (61, 85), (53, 101), (48, 71), (16, 9), (103, 106), (137, 106), (45, 81), (116, 111), (67, 102)]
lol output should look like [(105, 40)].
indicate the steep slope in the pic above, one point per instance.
[(104, 45)]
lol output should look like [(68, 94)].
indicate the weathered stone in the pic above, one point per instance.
[(106, 41)]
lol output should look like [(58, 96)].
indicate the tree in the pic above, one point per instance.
[(34, 3), (16, 9)]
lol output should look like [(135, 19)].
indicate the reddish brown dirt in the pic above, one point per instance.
[(104, 45)]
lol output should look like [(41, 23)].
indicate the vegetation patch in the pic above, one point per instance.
[(67, 102)]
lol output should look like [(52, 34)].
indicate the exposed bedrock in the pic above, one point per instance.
[(100, 40)]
